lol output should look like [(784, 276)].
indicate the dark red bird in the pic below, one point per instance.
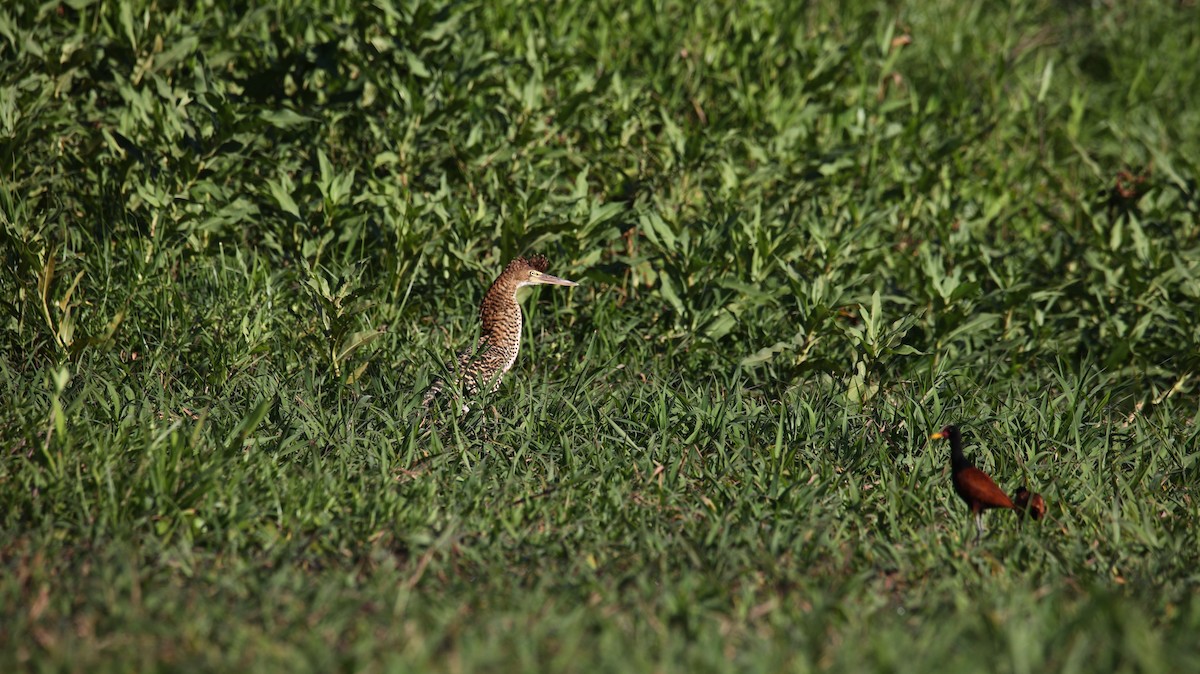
[(1027, 501), (972, 485)]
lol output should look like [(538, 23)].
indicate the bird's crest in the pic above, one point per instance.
[(538, 262)]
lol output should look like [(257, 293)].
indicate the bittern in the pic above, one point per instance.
[(500, 336), (972, 485), (1029, 502)]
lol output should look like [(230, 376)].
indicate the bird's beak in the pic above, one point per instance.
[(937, 436), (554, 280)]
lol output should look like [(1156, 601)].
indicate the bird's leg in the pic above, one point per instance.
[(488, 425), (978, 526)]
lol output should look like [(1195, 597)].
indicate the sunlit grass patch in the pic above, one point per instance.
[(238, 245)]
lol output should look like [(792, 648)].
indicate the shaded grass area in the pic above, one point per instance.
[(238, 244)]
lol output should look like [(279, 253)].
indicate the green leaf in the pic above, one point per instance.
[(284, 118), (356, 341), (667, 288), (416, 65), (126, 13)]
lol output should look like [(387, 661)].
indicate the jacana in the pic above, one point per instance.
[(1029, 502), (972, 485)]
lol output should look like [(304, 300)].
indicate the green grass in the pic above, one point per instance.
[(238, 243)]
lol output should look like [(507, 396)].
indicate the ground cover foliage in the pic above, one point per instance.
[(239, 241)]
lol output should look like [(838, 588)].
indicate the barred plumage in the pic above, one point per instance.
[(500, 336)]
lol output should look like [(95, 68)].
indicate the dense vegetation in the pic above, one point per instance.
[(238, 242)]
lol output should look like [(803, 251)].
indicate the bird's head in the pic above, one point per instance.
[(948, 431), (532, 271)]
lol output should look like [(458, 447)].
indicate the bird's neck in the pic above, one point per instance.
[(958, 460), (500, 314)]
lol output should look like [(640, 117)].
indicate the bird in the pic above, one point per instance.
[(1031, 502), (500, 335), (972, 485)]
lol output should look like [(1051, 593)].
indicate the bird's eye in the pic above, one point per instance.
[(534, 272)]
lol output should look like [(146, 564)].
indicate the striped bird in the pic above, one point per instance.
[(500, 338)]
